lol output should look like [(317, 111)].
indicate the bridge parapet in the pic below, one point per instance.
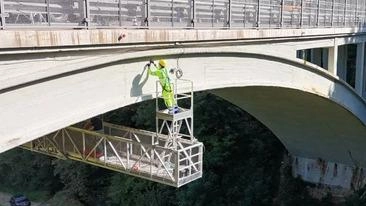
[(126, 37), (182, 13)]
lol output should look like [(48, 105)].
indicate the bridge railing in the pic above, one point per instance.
[(202, 14)]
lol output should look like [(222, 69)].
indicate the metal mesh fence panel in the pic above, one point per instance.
[(310, 12), (133, 13), (161, 12), (291, 13), (361, 13), (105, 12), (237, 13), (220, 16), (270, 13), (67, 12), (204, 13), (339, 9), (350, 12), (325, 13), (183, 13), (28, 12)]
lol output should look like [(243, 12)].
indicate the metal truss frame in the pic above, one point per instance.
[(171, 155), (131, 153)]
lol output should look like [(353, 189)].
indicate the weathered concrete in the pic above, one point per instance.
[(328, 173), (308, 115), (333, 59), (13, 62), (56, 38), (312, 112)]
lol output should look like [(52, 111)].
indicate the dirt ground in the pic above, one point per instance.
[(4, 200)]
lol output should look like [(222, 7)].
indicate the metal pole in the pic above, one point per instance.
[(281, 18), (331, 20), (86, 13), (147, 13), (302, 13), (364, 13), (2, 14), (172, 10), (192, 106), (120, 12), (244, 13), (193, 13), (105, 150), (84, 146), (212, 13), (258, 13), (344, 13), (156, 109), (292, 13), (355, 21), (176, 171), (317, 13), (63, 141), (48, 13), (270, 14), (229, 14)]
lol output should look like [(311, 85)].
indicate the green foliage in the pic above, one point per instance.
[(241, 166), (82, 181), (62, 198), (74, 176), (22, 171), (240, 162), (37, 195), (126, 190), (358, 198)]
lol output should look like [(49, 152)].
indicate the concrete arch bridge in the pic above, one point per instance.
[(314, 113)]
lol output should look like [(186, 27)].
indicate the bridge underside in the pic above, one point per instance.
[(308, 125)]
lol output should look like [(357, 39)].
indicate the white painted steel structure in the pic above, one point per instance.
[(125, 150)]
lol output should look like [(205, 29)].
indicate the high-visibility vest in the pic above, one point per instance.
[(164, 79)]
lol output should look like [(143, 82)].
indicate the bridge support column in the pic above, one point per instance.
[(360, 68), (342, 62), (333, 59), (328, 173)]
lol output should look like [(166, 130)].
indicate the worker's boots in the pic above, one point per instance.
[(173, 110)]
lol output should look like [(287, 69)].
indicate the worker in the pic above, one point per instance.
[(94, 124), (167, 89)]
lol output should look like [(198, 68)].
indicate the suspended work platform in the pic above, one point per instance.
[(171, 155)]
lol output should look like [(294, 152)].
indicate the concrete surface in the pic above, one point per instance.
[(54, 38), (312, 112)]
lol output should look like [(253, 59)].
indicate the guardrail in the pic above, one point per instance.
[(131, 151), (201, 14)]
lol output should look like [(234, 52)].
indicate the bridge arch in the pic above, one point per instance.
[(110, 81)]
